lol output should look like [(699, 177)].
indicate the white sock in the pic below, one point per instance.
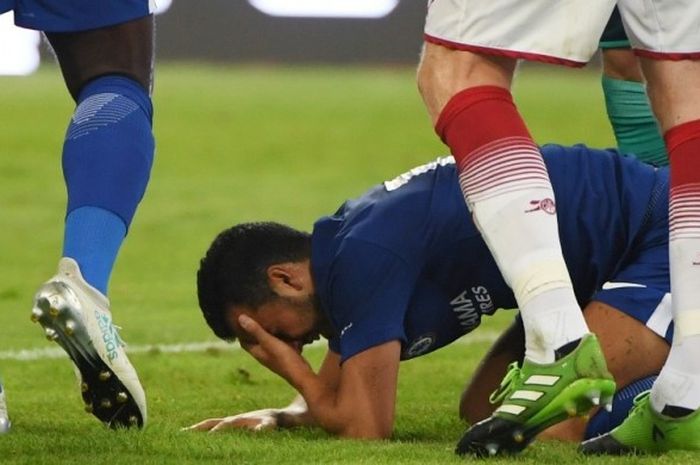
[(520, 228), (549, 324), (678, 383)]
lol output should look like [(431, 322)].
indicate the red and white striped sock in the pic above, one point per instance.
[(678, 383), (505, 184)]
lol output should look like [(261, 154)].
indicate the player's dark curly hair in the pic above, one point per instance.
[(234, 269)]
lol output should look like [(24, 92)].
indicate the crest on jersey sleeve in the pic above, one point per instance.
[(419, 346)]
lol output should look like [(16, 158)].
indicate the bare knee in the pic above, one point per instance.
[(623, 64), (443, 72), (632, 350), (125, 49)]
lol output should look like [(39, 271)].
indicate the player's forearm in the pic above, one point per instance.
[(320, 400), (319, 394), (341, 415), (324, 405), (357, 401)]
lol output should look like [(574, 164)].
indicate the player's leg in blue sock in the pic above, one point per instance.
[(604, 421), (107, 159)]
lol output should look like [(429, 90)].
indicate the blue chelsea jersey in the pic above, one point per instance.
[(405, 261)]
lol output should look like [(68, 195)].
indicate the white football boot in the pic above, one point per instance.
[(77, 317), (4, 418)]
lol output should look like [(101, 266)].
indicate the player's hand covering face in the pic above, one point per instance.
[(277, 355)]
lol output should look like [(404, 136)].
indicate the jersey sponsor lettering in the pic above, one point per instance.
[(483, 299), (470, 304)]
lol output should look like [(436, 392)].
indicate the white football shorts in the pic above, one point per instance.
[(563, 31)]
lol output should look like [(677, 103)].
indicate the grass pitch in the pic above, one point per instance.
[(235, 144)]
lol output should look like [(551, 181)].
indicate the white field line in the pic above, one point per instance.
[(28, 355)]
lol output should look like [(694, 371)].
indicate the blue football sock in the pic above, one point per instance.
[(93, 237), (604, 421), (107, 159)]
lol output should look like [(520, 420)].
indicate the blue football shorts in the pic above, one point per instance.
[(75, 15), (641, 288)]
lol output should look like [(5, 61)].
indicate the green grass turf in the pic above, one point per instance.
[(234, 144)]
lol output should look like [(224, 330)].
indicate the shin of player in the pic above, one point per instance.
[(464, 77)]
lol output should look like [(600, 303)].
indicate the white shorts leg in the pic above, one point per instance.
[(553, 31), (664, 29)]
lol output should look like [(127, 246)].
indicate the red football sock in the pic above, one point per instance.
[(505, 183), (683, 143), (490, 142), (487, 113)]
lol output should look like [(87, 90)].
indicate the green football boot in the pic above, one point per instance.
[(645, 430), (538, 396)]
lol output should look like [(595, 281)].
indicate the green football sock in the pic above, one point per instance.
[(633, 122)]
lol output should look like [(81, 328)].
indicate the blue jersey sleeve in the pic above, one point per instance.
[(370, 292)]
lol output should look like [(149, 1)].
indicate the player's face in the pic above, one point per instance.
[(294, 322)]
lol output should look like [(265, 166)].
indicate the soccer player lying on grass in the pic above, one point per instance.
[(403, 271)]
